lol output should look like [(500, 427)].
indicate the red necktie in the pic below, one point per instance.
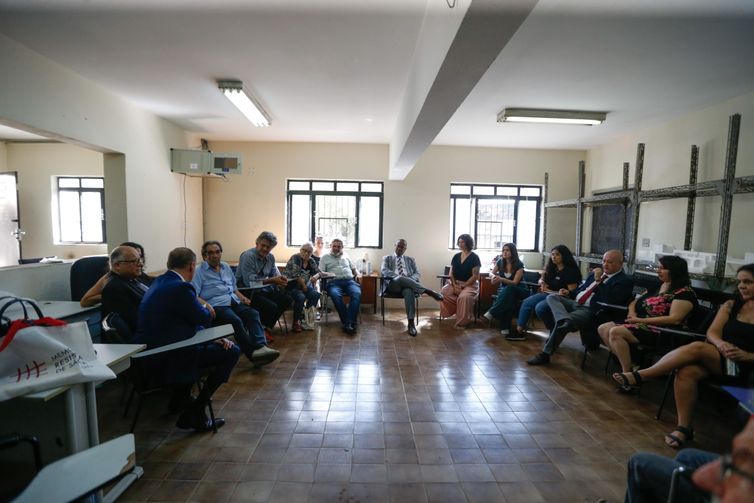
[(585, 298)]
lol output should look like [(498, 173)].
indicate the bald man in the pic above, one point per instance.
[(574, 310)]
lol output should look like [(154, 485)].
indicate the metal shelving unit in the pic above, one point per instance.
[(726, 188)]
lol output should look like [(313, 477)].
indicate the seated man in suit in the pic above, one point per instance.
[(171, 312), (402, 276), (574, 310), (125, 286), (215, 284), (258, 272), (342, 281)]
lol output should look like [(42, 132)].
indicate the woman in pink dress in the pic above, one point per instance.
[(462, 289)]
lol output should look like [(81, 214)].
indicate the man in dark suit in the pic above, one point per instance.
[(170, 312), (574, 310), (402, 276), (124, 289)]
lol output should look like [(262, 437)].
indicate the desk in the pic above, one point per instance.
[(65, 310), (64, 419), (74, 407)]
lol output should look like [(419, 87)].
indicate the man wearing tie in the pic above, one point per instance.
[(402, 277), (574, 310), (124, 289)]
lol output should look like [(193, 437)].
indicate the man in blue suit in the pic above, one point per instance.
[(170, 312), (574, 310)]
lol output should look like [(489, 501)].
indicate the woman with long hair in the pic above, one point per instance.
[(561, 271), (508, 273), (728, 351), (668, 306)]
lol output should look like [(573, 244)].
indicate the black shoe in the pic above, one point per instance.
[(540, 359), (411, 329), (194, 419), (515, 335), (350, 328), (435, 295)]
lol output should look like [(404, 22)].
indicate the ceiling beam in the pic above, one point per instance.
[(429, 103)]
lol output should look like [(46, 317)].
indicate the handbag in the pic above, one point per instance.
[(44, 353), (310, 318)]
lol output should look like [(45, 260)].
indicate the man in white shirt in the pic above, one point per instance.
[(342, 282), (402, 276)]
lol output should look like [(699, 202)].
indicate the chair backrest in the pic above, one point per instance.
[(85, 272), (700, 319), (531, 276)]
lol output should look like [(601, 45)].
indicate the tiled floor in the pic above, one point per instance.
[(448, 416)]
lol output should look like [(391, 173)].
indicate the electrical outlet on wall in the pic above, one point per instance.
[(645, 242)]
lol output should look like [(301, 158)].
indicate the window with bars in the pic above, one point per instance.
[(496, 214), (349, 210), (81, 210)]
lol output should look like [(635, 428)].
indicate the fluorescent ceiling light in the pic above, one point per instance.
[(551, 116), (233, 90)]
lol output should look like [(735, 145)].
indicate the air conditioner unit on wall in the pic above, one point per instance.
[(204, 162)]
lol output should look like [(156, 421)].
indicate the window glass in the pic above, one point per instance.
[(496, 214), (80, 210), (70, 217), (355, 215), (68, 183), (92, 183)]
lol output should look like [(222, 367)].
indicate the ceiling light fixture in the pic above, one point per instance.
[(233, 90), (551, 116)]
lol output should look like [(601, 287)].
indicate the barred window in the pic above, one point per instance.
[(81, 210), (496, 214), (347, 209)]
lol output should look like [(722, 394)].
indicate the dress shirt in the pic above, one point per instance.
[(341, 266), (253, 269), (217, 288), (593, 286)]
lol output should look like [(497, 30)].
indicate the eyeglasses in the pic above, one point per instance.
[(133, 261), (728, 467)]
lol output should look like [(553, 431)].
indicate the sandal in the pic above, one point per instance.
[(624, 385), (674, 441)]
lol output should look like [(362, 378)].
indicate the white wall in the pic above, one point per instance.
[(38, 94), (666, 163), (416, 208), (37, 164)]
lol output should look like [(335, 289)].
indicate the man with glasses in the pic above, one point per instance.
[(727, 479), (215, 285), (124, 289)]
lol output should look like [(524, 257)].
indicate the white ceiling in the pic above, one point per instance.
[(338, 70)]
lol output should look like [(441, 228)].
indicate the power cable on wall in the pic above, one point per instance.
[(185, 212)]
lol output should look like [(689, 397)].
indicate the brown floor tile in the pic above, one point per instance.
[(447, 416)]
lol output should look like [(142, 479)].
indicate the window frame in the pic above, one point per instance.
[(81, 190), (312, 194), (474, 209)]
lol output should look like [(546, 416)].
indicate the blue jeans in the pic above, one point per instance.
[(247, 327), (336, 289), (310, 297), (504, 306), (649, 476), (527, 306)]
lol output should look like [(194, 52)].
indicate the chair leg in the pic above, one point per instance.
[(416, 310), (138, 411), (583, 358), (382, 309), (668, 385), (128, 403), (212, 415)]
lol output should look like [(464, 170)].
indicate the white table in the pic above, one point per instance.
[(61, 309), (65, 418)]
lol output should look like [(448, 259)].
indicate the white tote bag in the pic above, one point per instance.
[(41, 354)]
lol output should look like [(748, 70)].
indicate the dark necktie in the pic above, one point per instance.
[(401, 270)]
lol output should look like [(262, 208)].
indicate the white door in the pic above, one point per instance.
[(10, 234)]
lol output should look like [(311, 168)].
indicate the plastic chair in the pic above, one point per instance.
[(85, 272)]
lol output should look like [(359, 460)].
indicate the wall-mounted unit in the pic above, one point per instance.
[(204, 162)]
